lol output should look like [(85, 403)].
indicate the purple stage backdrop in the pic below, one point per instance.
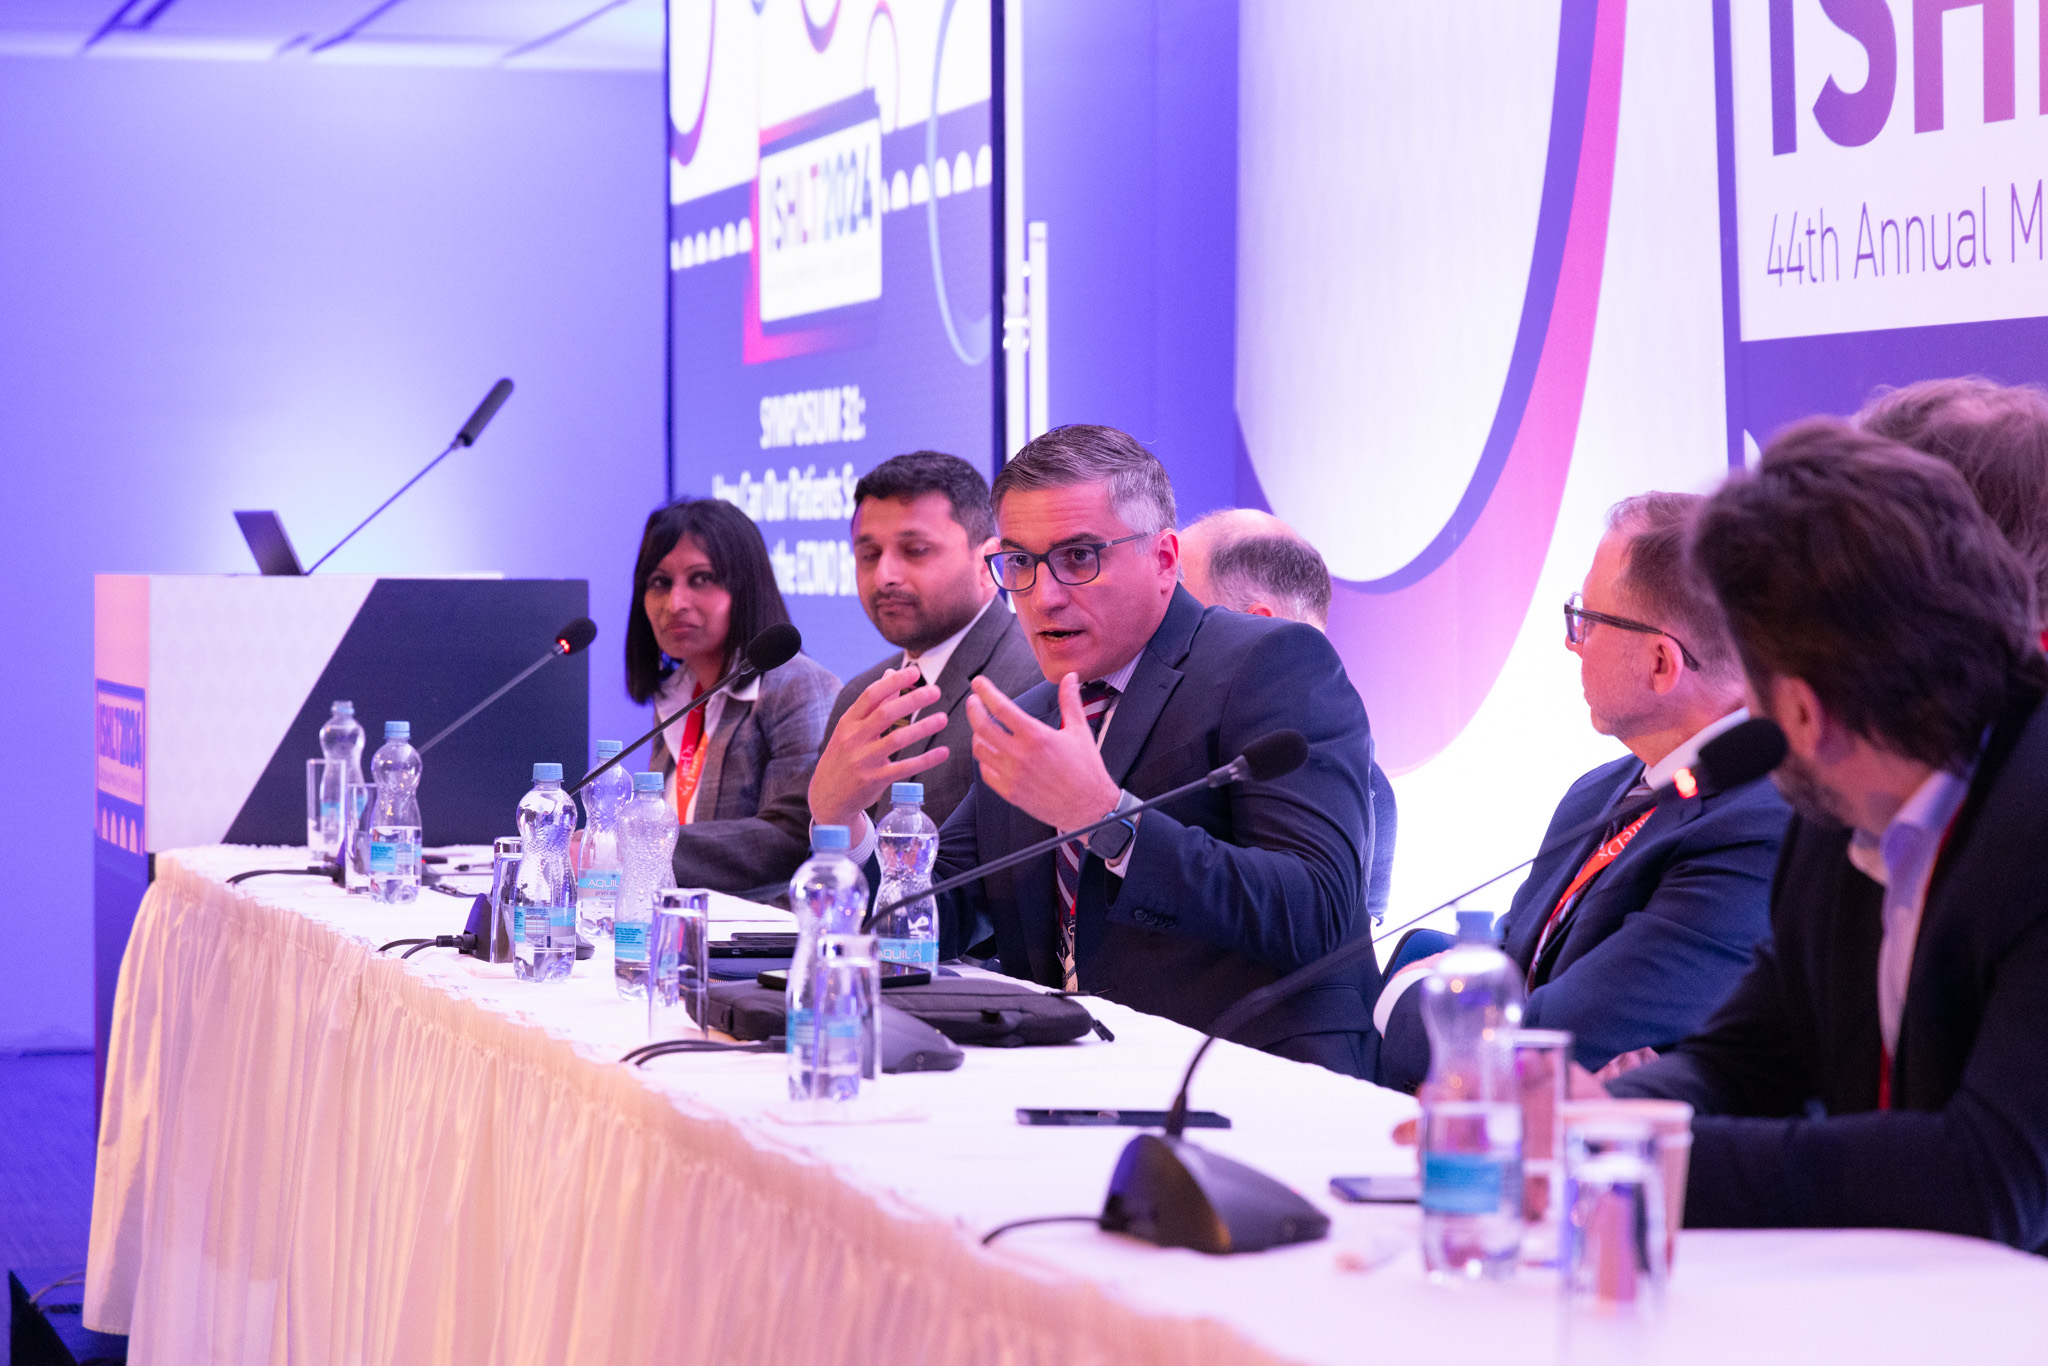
[(833, 190)]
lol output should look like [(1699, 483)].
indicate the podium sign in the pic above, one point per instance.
[(210, 691)]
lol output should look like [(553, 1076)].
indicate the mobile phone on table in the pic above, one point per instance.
[(1133, 1119), (1377, 1190)]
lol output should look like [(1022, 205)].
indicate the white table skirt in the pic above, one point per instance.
[(311, 1154)]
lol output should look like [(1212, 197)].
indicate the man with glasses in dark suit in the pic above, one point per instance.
[(1631, 936), (1183, 910)]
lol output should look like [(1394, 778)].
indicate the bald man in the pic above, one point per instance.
[(1200, 541), (1251, 561)]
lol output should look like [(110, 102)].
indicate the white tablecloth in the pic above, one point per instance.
[(312, 1154)]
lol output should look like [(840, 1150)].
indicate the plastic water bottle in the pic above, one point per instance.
[(597, 871), (547, 887), (395, 817), (647, 846), (1471, 1110), (341, 741), (906, 844), (826, 1037)]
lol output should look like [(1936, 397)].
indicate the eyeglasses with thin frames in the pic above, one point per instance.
[(1072, 564), (1576, 619)]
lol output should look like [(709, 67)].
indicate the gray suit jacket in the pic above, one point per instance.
[(753, 823), (995, 647)]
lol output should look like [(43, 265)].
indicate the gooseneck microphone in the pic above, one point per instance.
[(571, 639), (1169, 1191), (471, 430), (770, 650), (1273, 755)]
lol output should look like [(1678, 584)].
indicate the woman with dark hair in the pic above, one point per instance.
[(738, 767)]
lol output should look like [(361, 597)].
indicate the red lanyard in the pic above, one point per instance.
[(690, 759), (1608, 852)]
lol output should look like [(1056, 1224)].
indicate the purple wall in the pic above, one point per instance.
[(1130, 158), (284, 285)]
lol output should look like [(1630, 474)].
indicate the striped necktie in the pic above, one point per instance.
[(1096, 701)]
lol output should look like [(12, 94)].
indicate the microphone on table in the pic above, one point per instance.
[(1273, 755), (571, 639), (471, 430), (770, 650), (1172, 1193)]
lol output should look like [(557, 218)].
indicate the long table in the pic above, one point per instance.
[(311, 1153)]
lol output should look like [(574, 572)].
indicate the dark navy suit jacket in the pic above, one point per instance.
[(1785, 1074), (1226, 889), (1656, 941)]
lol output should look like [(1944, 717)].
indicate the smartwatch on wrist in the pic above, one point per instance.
[(1110, 842)]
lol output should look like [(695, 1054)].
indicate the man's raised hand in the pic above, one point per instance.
[(855, 768)]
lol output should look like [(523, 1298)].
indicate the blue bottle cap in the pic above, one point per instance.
[(649, 782), (913, 793), (1475, 927), (344, 709), (830, 837), (398, 730), (607, 748), (547, 773)]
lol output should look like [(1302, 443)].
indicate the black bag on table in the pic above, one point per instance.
[(968, 1010)]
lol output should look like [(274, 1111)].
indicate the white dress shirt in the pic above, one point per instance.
[(1901, 860)]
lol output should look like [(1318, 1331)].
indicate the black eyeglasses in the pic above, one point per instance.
[(1576, 618), (1073, 564)]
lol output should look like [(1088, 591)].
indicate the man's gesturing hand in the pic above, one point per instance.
[(855, 768), (1055, 775)]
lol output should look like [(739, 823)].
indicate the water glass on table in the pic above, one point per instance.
[(679, 964), (356, 801), (1614, 1255), (1543, 1059), (1670, 1124), (325, 779)]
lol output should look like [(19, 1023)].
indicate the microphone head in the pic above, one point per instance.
[(1739, 754), (1275, 755), (774, 647), (485, 411), (576, 635)]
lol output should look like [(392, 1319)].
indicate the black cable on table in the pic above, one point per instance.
[(466, 942), (332, 872), (1000, 1229), (648, 1051)]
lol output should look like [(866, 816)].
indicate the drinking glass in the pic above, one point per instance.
[(356, 801), (679, 964), (1543, 1060), (324, 780), (1613, 1257)]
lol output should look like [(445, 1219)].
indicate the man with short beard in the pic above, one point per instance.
[(921, 525), (1879, 1064)]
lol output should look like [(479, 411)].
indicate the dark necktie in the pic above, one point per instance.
[(1096, 701)]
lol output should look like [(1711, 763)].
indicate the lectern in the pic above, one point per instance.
[(210, 691)]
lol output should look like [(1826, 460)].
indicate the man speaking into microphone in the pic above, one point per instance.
[(1182, 910)]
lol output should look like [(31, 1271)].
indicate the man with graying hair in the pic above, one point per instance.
[(1252, 562), (1631, 936), (1184, 910)]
